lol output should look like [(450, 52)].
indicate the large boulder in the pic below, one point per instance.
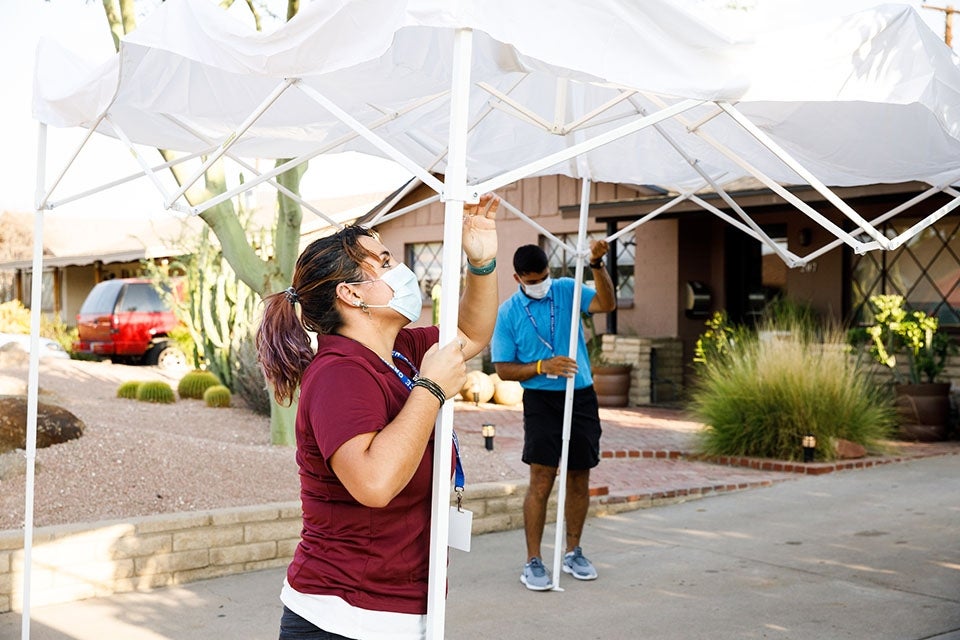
[(54, 424)]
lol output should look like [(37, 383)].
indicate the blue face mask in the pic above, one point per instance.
[(406, 298)]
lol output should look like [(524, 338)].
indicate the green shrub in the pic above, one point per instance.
[(184, 339), (715, 343), (248, 381), (195, 383), (764, 396), (129, 389), (156, 391), (217, 396), (15, 318)]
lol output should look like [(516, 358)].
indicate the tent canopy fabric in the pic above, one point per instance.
[(487, 92), (873, 97)]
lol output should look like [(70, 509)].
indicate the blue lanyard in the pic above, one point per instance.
[(536, 329), (459, 480)]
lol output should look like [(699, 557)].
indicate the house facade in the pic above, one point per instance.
[(674, 271)]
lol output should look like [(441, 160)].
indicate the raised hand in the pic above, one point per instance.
[(446, 367), (480, 230)]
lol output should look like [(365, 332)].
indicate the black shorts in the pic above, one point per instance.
[(543, 428)]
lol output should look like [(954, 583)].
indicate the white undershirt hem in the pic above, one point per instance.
[(336, 615)]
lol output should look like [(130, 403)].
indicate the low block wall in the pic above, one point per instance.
[(74, 562), (653, 379)]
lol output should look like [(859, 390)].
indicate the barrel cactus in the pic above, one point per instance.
[(195, 383), (129, 389), (217, 396), (156, 391)]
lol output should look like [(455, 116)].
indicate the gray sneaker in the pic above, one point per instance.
[(577, 565), (535, 576)]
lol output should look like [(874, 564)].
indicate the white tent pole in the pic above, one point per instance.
[(757, 231), (789, 258), (45, 194), (609, 104), (395, 154), (381, 213), (530, 221), (33, 379), (801, 171), (455, 194), (503, 101), (233, 137), (897, 242), (559, 540), (144, 165), (770, 183), (933, 190), (333, 144), (583, 147), (129, 178), (404, 211)]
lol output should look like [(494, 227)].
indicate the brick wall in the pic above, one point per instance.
[(74, 562), (668, 382)]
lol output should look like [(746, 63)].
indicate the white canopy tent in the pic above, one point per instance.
[(488, 92)]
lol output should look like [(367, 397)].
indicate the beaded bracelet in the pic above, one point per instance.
[(484, 270), (432, 387)]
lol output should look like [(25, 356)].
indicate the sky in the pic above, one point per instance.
[(80, 26)]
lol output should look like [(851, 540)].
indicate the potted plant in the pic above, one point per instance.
[(611, 380), (922, 399)]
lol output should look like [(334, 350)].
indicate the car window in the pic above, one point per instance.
[(140, 297), (101, 298)]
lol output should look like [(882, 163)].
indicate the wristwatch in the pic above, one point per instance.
[(597, 264)]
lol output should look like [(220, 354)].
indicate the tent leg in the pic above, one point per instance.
[(560, 540), (33, 381), (455, 189)]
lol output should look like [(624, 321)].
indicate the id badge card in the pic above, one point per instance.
[(461, 525)]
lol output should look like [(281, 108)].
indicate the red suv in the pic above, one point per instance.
[(126, 321)]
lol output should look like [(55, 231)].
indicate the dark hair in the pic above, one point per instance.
[(529, 259), (283, 344)]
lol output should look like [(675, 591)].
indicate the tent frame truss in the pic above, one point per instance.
[(456, 190)]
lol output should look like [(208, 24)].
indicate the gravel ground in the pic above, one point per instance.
[(137, 458)]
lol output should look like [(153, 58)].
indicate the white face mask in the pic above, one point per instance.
[(406, 298), (538, 290)]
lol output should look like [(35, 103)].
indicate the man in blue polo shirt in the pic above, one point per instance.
[(529, 342)]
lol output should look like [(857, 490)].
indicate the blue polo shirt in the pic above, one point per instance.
[(523, 333)]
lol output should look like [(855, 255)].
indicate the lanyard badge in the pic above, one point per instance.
[(457, 514)]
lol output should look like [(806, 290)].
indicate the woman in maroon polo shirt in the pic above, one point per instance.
[(368, 401)]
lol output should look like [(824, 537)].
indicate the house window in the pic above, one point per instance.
[(425, 259), (563, 263), (46, 292), (8, 286), (925, 271)]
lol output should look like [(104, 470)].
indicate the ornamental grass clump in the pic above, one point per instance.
[(761, 397), (195, 383), (129, 389), (156, 391), (217, 396)]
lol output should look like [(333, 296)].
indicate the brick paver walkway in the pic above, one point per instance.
[(650, 453)]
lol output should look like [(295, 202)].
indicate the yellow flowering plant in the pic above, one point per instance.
[(914, 333)]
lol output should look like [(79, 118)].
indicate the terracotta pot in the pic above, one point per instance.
[(612, 384), (924, 410)]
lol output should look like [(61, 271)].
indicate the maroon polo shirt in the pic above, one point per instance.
[(376, 559)]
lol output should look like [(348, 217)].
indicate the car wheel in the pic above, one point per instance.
[(167, 355)]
